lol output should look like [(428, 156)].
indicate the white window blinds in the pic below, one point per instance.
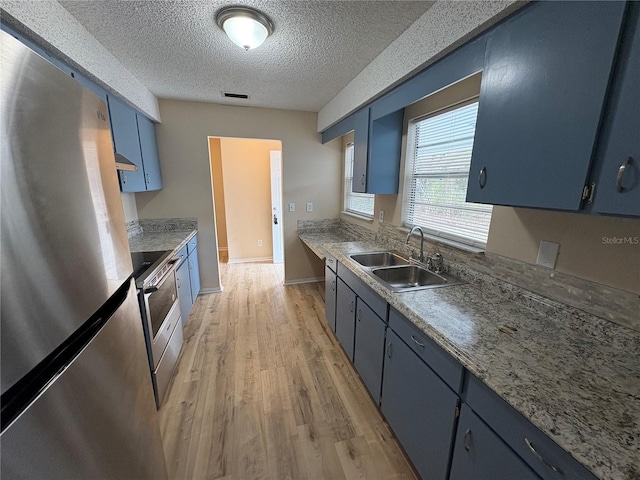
[(358, 203), (437, 188)]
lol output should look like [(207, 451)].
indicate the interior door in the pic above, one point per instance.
[(276, 205)]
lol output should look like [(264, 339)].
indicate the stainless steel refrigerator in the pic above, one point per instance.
[(77, 398)]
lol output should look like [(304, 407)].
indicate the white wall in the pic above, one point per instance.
[(441, 29), (310, 174)]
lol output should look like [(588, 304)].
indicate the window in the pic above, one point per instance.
[(358, 203), (439, 159)]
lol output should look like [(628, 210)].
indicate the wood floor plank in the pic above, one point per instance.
[(263, 390)]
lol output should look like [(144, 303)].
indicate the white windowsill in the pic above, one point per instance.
[(359, 216), (450, 243)]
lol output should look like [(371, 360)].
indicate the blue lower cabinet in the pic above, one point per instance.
[(184, 290), (194, 274), (330, 284), (420, 408), (368, 355), (480, 454), (345, 317)]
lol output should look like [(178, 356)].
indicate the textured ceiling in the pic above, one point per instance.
[(177, 51)]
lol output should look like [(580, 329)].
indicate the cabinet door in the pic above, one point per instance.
[(420, 408), (184, 291), (543, 87), (385, 145), (194, 274), (360, 150), (621, 133), (124, 129), (368, 354), (481, 455), (149, 149), (345, 317), (330, 284)]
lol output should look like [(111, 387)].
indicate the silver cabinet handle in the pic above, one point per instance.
[(124, 177), (623, 167), (541, 458), (415, 340), (148, 178), (178, 282), (359, 314), (389, 349), (333, 285), (362, 180), (466, 440), (482, 178), (351, 307)]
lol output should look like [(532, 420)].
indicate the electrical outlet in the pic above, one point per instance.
[(292, 207), (259, 243), (381, 216), (309, 207)]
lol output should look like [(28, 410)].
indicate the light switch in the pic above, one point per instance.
[(292, 207), (309, 207), (548, 254)]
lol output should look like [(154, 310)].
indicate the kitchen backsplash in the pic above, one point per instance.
[(159, 225), (538, 287)]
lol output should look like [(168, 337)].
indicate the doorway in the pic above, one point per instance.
[(247, 190)]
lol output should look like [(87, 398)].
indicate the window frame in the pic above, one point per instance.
[(439, 235), (348, 186)]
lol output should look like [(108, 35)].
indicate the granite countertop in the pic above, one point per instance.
[(155, 241), (576, 379)]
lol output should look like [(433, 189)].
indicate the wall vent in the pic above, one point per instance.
[(236, 95)]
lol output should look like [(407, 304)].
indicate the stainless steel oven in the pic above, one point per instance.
[(158, 298)]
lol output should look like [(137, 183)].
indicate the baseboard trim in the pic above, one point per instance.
[(298, 281), (212, 290), (251, 260)]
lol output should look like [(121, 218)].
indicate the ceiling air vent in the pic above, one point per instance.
[(236, 95)]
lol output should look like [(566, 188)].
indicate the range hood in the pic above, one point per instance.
[(123, 163)]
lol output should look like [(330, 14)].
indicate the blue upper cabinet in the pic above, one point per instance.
[(360, 150), (546, 75), (126, 142), (617, 175), (134, 137), (90, 85), (149, 149)]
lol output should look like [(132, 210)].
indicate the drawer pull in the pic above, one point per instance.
[(466, 442), (482, 178), (415, 340), (541, 458), (330, 260)]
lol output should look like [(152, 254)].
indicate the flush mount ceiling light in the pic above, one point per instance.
[(246, 27)]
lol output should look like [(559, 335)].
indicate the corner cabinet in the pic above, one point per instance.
[(547, 70), (134, 138)]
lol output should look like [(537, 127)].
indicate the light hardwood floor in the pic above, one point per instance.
[(263, 391)]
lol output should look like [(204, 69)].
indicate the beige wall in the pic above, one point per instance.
[(310, 170), (246, 169), (215, 155), (584, 251)]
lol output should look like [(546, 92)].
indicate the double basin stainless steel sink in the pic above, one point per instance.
[(399, 274)]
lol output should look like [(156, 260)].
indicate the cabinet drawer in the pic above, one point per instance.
[(331, 262), (375, 301), (539, 451), (192, 244), (182, 255), (440, 361)]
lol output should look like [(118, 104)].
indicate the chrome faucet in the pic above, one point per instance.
[(414, 228)]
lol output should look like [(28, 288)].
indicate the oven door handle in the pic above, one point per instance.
[(154, 288), (150, 290)]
